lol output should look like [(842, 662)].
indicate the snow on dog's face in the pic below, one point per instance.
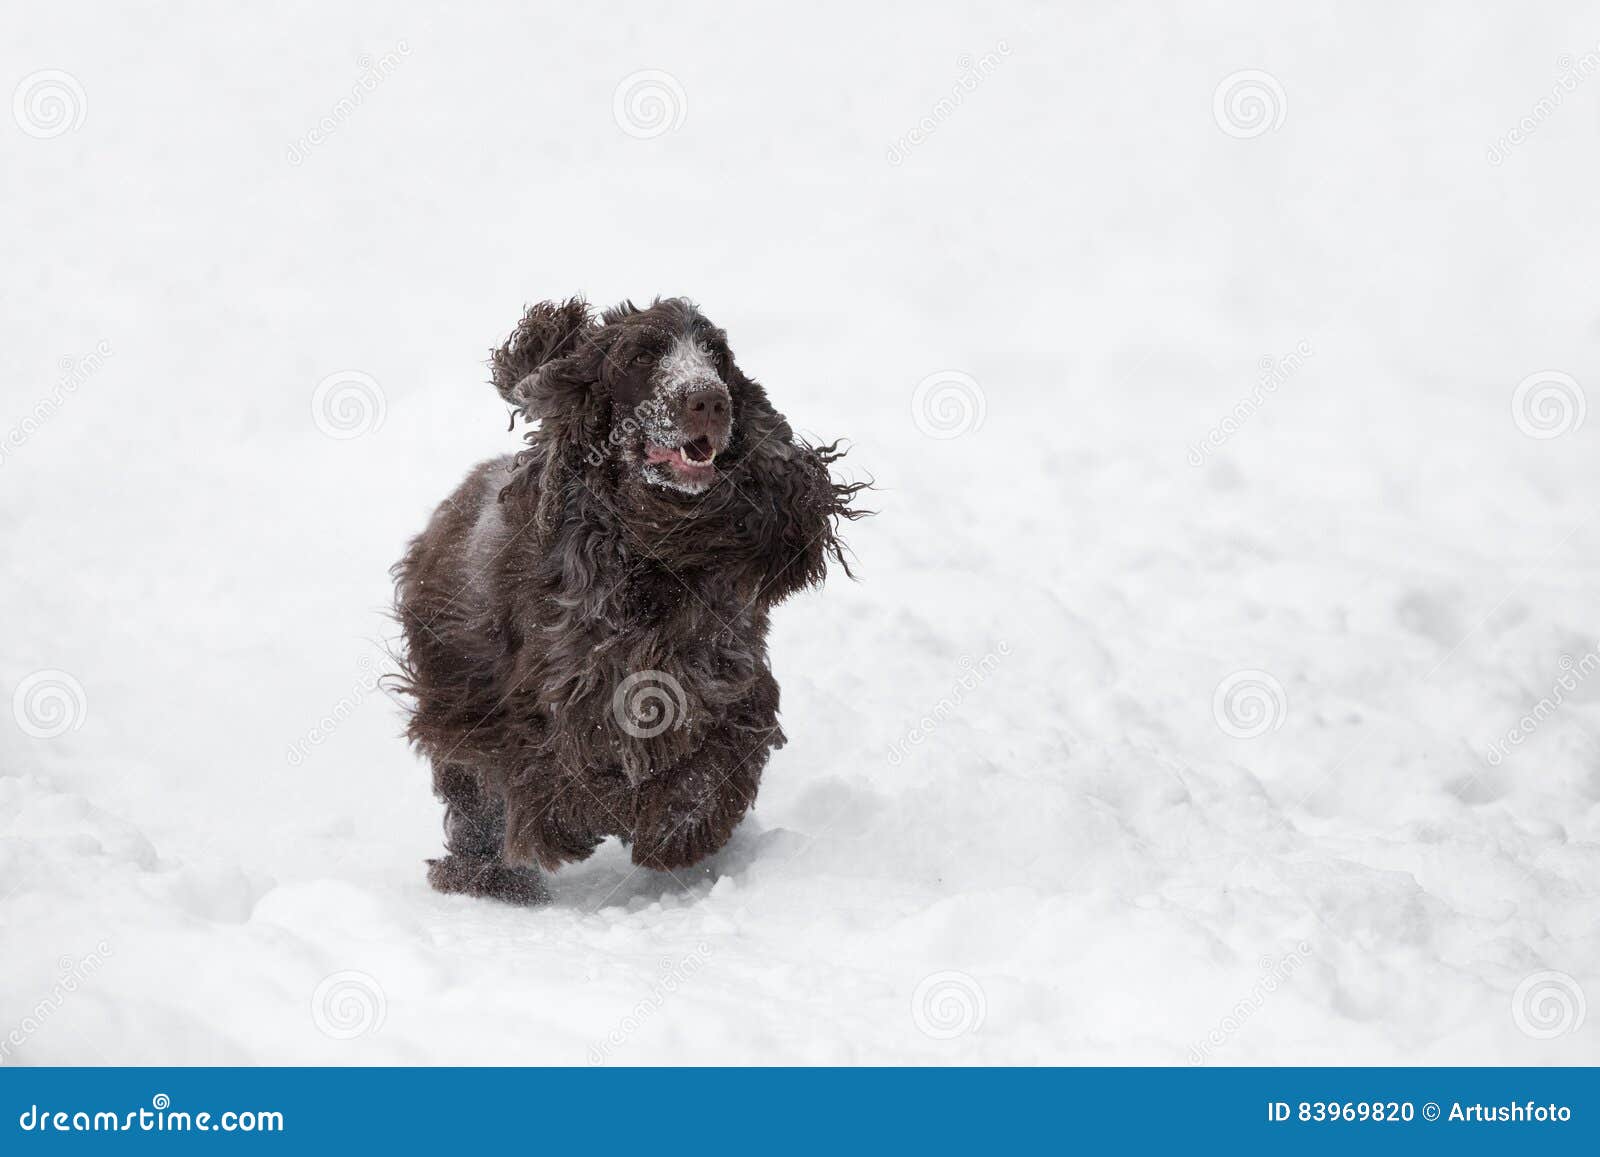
[(672, 409)]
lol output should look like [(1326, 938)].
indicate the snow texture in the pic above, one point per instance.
[(1220, 685)]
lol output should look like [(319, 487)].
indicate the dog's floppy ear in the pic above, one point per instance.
[(758, 422), (549, 370), (566, 396), (796, 529), (547, 332)]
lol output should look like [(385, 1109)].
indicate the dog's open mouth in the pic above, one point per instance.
[(691, 461)]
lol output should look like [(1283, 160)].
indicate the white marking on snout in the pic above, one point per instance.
[(687, 364)]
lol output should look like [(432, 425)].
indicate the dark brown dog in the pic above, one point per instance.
[(586, 622)]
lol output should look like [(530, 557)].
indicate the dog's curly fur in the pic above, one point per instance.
[(585, 622)]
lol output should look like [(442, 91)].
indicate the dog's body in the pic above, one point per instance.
[(586, 622)]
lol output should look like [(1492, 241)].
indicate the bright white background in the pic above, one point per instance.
[(1088, 857)]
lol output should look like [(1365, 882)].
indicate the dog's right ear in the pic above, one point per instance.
[(549, 371), (548, 331)]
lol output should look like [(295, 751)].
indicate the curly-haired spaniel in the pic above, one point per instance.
[(586, 621)]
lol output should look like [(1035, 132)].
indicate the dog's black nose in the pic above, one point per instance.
[(707, 411), (707, 403)]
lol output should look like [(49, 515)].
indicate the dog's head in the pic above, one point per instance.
[(644, 398), (670, 379), (644, 412)]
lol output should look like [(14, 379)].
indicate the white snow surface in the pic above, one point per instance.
[(1013, 823)]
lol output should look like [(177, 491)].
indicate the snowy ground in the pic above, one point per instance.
[(1086, 853)]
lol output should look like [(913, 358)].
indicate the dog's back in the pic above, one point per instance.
[(446, 603)]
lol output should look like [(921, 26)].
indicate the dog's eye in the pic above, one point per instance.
[(641, 357)]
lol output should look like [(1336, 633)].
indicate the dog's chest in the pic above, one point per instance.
[(692, 624), (686, 605)]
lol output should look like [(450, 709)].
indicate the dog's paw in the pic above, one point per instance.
[(678, 821), (666, 855), (490, 878), (676, 844)]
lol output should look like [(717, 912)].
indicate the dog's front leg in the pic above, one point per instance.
[(683, 815), (554, 819), (474, 829)]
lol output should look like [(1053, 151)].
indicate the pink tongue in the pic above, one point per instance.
[(654, 453)]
